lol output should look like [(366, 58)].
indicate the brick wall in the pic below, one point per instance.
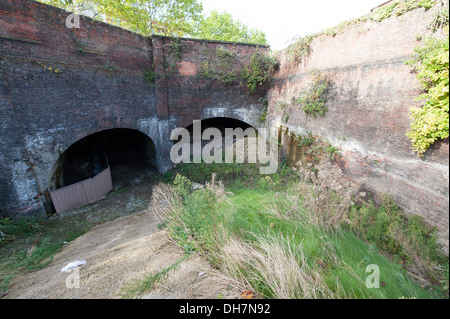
[(99, 85), (368, 110)]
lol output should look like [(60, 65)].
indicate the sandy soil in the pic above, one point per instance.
[(118, 253)]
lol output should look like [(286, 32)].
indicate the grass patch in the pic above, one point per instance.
[(254, 231), (137, 288)]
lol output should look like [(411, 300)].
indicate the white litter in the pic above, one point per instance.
[(74, 264)]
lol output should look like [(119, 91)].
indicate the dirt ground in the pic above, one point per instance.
[(118, 253), (121, 252)]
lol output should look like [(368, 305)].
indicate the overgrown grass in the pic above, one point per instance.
[(253, 230), (288, 235)]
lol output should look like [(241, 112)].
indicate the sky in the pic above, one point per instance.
[(282, 20)]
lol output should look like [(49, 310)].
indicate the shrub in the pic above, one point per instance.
[(300, 48), (259, 70), (322, 198), (313, 99), (430, 122), (409, 238)]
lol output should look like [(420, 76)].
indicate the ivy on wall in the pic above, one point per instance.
[(313, 99), (258, 72), (430, 122), (218, 65)]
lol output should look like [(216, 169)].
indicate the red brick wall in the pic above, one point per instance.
[(368, 110), (99, 85)]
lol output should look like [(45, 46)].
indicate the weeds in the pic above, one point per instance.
[(218, 66), (284, 240), (313, 100), (300, 48), (137, 288), (275, 267), (258, 72), (409, 238)]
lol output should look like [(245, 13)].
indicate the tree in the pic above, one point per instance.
[(181, 18), (222, 27), (147, 17)]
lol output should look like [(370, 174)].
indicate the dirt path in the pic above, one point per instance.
[(116, 253)]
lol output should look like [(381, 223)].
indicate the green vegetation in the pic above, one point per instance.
[(222, 65), (136, 288), (294, 234), (30, 243), (222, 27), (218, 65), (109, 67), (297, 236), (176, 18), (430, 122), (175, 49), (409, 239), (265, 102), (441, 17), (259, 70), (398, 8), (150, 76), (300, 48), (313, 99)]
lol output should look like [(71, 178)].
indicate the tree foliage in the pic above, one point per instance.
[(147, 17), (180, 18), (431, 121), (222, 27)]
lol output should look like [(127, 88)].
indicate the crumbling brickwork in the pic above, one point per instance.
[(368, 105), (59, 85)]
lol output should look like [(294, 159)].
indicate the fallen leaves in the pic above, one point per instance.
[(248, 294)]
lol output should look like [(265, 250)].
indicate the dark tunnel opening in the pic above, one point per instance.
[(129, 153), (220, 123)]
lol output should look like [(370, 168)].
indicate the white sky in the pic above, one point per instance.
[(282, 20)]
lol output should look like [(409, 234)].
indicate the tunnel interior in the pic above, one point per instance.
[(220, 123), (130, 154)]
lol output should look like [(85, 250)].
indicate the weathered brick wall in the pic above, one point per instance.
[(368, 110), (99, 85), (191, 96)]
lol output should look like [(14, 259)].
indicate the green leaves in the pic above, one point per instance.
[(430, 122), (178, 18), (147, 17), (259, 70), (313, 99), (222, 27)]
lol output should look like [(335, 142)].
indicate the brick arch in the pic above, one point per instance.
[(228, 113), (81, 134)]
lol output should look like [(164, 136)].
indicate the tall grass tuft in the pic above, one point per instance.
[(276, 267)]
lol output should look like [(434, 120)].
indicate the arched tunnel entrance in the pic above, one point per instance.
[(128, 153), (220, 123)]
